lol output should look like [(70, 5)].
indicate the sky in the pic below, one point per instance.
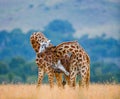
[(93, 17)]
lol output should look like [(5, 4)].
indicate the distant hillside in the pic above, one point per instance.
[(17, 58), (16, 43)]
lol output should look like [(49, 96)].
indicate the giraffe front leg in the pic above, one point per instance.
[(59, 79), (51, 78), (40, 76)]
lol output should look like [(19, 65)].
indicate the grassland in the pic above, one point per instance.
[(95, 91)]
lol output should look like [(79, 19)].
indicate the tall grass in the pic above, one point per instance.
[(95, 91)]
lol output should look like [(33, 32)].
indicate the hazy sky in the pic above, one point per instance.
[(87, 16)]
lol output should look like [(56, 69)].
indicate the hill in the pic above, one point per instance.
[(17, 58)]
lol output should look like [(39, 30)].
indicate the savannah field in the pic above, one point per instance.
[(95, 91)]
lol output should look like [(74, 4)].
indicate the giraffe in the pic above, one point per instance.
[(44, 60), (79, 61), (81, 56)]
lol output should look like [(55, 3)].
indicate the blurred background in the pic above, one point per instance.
[(95, 24)]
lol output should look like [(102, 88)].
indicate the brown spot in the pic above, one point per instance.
[(70, 49), (75, 68), (36, 50), (57, 55), (83, 67), (83, 71), (32, 41), (36, 59), (80, 60), (77, 58), (63, 51), (66, 46), (80, 55), (72, 46), (40, 61), (60, 48), (80, 50), (74, 61), (76, 50), (60, 53), (46, 58), (77, 47), (80, 64), (38, 55)]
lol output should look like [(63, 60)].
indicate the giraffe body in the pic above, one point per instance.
[(79, 63), (45, 60)]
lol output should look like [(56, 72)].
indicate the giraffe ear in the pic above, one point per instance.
[(48, 43)]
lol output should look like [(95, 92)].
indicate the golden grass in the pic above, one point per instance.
[(95, 91)]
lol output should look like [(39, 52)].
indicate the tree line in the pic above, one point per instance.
[(17, 55), (19, 70)]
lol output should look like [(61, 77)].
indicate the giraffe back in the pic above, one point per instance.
[(66, 48)]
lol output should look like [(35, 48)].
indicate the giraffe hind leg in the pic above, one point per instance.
[(73, 74), (88, 77), (84, 77)]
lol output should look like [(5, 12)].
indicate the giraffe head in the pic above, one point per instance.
[(44, 45), (37, 39)]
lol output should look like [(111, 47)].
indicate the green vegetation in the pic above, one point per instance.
[(20, 70), (17, 58)]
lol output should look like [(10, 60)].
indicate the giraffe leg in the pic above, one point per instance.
[(51, 79), (84, 77), (59, 79), (73, 74), (50, 73), (40, 76), (67, 78), (88, 77)]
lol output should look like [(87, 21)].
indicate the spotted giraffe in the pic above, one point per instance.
[(44, 60), (73, 68), (79, 62)]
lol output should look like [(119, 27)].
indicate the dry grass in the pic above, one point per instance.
[(95, 91)]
